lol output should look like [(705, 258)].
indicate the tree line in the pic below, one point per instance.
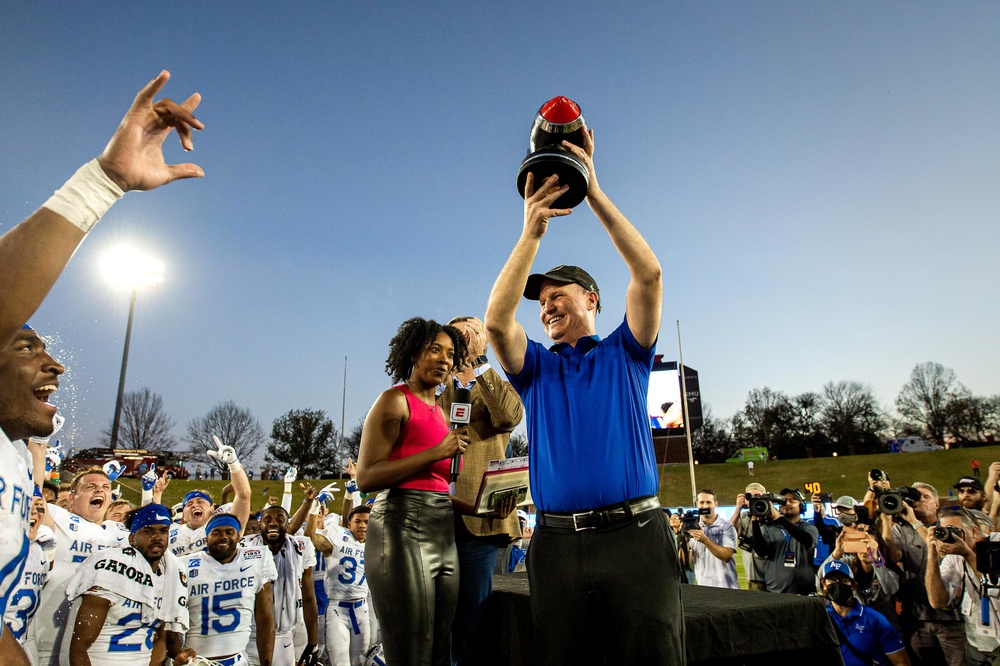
[(846, 418), (304, 438)]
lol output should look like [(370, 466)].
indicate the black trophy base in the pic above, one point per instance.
[(571, 170)]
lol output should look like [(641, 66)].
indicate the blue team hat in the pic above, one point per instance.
[(222, 520), (195, 494), (151, 514), (836, 566), (28, 327)]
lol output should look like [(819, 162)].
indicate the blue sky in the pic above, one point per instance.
[(819, 181)]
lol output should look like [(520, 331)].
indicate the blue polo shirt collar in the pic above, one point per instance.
[(583, 345), (857, 610)]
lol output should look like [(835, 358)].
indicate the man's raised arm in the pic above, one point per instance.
[(507, 336), (644, 298), (34, 253)]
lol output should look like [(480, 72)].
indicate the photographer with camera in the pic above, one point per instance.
[(866, 636), (753, 566), (713, 545), (953, 581), (784, 541), (683, 551), (932, 635), (876, 580)]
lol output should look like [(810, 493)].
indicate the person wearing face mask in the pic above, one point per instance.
[(866, 636), (876, 579)]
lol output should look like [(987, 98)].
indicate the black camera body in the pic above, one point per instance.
[(760, 505), (947, 534), (691, 520), (890, 500), (988, 557)]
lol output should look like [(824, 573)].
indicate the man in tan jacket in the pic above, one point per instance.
[(496, 411)]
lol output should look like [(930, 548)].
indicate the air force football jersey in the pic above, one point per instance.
[(184, 540), (16, 490), (23, 601), (345, 567), (222, 598), (76, 539)]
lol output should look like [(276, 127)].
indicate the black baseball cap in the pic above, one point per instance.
[(567, 274), (971, 482)]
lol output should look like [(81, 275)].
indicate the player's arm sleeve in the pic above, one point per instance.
[(89, 622), (263, 617)]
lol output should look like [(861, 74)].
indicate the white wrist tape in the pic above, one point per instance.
[(314, 509), (85, 197), (288, 487), (234, 467)]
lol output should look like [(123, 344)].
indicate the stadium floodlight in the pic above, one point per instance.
[(126, 268)]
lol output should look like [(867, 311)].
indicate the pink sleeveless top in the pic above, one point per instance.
[(425, 429)]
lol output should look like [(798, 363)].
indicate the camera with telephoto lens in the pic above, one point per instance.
[(877, 475), (691, 520), (760, 505), (890, 500), (947, 534), (988, 557)]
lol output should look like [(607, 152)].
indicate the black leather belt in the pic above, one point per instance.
[(607, 515)]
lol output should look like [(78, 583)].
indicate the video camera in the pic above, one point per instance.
[(760, 505), (988, 557), (691, 520), (890, 500)]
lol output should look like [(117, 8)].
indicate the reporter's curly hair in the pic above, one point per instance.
[(411, 338)]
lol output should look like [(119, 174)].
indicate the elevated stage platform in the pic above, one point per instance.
[(724, 627)]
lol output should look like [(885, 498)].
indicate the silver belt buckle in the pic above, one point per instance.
[(577, 528)]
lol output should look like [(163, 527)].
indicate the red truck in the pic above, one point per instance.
[(136, 461)]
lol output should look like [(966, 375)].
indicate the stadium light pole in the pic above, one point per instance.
[(126, 268)]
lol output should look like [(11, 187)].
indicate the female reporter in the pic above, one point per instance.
[(406, 452)]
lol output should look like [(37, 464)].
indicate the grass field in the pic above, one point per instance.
[(845, 475)]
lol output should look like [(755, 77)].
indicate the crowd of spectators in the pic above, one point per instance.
[(908, 577)]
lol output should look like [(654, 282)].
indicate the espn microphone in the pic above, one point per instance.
[(461, 414)]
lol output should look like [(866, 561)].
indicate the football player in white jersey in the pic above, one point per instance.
[(127, 600), (347, 625), (189, 536), (23, 600), (32, 256), (28, 376), (229, 593), (292, 590), (79, 534)]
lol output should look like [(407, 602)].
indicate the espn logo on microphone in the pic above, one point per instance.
[(461, 412)]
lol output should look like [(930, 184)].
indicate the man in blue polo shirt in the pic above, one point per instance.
[(603, 573), (866, 637)]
